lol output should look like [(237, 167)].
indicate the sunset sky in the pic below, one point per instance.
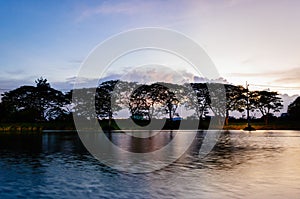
[(248, 40)]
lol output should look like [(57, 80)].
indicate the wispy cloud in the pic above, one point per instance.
[(122, 8), (283, 81), (131, 7), (290, 76), (15, 71), (76, 61)]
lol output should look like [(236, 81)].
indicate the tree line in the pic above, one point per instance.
[(42, 103)]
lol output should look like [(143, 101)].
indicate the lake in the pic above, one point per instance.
[(259, 164)]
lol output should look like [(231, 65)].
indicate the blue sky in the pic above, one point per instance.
[(248, 40)]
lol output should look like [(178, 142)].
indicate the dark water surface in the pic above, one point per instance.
[(261, 164)]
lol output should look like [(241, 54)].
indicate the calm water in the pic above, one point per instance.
[(261, 164)]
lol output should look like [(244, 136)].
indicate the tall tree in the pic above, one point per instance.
[(158, 98), (167, 95), (83, 103), (103, 99), (140, 102), (217, 99), (236, 99), (198, 99), (294, 109), (266, 102), (102, 102), (39, 103)]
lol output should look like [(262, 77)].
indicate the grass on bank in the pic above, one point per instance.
[(36, 127), (258, 124), (127, 124)]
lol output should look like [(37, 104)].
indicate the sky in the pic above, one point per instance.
[(248, 40)]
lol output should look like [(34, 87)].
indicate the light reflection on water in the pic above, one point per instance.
[(261, 164)]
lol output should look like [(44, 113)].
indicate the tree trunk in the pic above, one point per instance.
[(266, 120), (109, 122), (227, 117), (170, 115)]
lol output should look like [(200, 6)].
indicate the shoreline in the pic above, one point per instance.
[(70, 127)]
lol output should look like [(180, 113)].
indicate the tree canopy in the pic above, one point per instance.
[(43, 103), (34, 103), (294, 109), (266, 102)]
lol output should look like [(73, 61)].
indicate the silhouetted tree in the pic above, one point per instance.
[(236, 99), (294, 109), (140, 102), (34, 103), (217, 103), (6, 112), (167, 95), (159, 97), (198, 99), (105, 100), (83, 103), (266, 102)]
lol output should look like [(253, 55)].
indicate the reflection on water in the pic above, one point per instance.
[(261, 164)]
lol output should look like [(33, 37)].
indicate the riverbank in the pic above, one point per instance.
[(274, 125), (126, 125), (36, 127)]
